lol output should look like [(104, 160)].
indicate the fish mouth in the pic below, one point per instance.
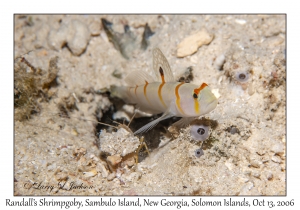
[(214, 101), (211, 105)]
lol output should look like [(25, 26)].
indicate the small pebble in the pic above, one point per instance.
[(251, 89), (245, 190), (80, 39), (132, 177), (111, 176), (78, 152), (234, 130), (229, 165), (255, 163), (256, 174), (91, 173), (95, 27), (61, 176), (130, 162), (269, 175), (244, 179), (240, 21), (278, 149), (113, 160), (274, 41), (102, 169), (219, 62), (76, 34), (191, 43), (121, 142), (276, 159)]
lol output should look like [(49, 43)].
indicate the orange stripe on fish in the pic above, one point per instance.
[(178, 98), (197, 90), (196, 105), (145, 91), (135, 91), (161, 85), (195, 95)]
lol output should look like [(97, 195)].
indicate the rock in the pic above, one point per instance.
[(121, 142), (191, 43), (245, 190), (61, 176), (229, 165), (273, 41), (51, 167), (120, 115), (111, 176), (243, 179), (251, 89), (41, 35), (101, 168), (256, 173), (95, 27), (255, 163), (278, 148), (79, 152), (269, 175), (91, 173), (56, 39), (114, 160), (240, 21), (80, 39), (276, 159), (76, 34), (132, 177), (130, 162), (219, 62)]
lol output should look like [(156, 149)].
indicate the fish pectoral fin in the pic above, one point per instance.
[(150, 125), (183, 122)]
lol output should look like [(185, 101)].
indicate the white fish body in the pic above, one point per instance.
[(164, 95)]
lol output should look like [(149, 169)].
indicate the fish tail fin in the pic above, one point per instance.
[(120, 92)]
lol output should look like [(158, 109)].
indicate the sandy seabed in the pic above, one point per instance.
[(65, 63)]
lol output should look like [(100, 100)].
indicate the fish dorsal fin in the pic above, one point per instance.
[(161, 67), (137, 78)]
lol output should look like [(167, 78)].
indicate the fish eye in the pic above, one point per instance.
[(195, 95), (242, 76), (199, 132), (199, 152)]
